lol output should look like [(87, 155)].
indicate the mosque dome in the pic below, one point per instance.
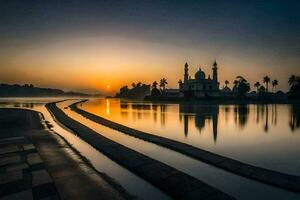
[(200, 74)]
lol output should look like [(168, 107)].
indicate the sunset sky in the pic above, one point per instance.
[(97, 46)]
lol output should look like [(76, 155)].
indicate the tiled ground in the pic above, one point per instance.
[(22, 172)]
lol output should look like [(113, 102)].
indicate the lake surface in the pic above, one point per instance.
[(212, 127), (232, 184), (262, 135)]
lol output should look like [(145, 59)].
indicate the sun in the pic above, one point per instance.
[(107, 86)]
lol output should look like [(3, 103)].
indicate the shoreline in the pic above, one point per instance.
[(226, 101), (211, 101)]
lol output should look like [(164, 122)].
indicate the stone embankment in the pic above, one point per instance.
[(175, 183)]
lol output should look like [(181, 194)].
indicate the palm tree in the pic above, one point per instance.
[(266, 80), (154, 84), (292, 80), (274, 84), (226, 82), (139, 84), (133, 85), (235, 85), (257, 84), (163, 83), (261, 89), (241, 85)]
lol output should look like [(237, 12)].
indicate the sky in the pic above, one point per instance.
[(98, 46)]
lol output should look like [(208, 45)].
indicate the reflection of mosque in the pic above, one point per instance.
[(201, 115)]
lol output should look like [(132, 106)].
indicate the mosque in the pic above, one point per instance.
[(200, 86)]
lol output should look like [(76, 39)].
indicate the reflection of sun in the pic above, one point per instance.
[(107, 107)]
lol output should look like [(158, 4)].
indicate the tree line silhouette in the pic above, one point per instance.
[(241, 87), (137, 91), (140, 90), (29, 90)]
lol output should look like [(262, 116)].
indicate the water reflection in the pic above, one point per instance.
[(294, 122), (202, 116), (241, 115), (274, 114), (259, 134)]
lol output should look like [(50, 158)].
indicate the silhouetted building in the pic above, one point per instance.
[(200, 86), (171, 93)]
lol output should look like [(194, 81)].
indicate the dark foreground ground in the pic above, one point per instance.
[(35, 163)]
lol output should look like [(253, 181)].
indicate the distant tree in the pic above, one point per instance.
[(274, 84), (266, 80), (261, 89), (241, 85), (226, 82), (31, 86), (138, 91), (163, 83), (139, 84), (235, 84), (154, 84), (124, 91), (256, 85), (155, 92), (294, 82)]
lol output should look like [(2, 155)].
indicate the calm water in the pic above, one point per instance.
[(170, 121), (263, 135), (237, 186)]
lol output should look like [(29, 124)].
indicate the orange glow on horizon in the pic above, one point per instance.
[(105, 64)]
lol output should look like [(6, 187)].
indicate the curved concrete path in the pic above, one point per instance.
[(39, 164), (285, 181), (173, 182)]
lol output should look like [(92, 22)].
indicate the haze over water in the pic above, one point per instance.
[(263, 135)]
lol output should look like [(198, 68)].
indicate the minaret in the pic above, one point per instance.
[(186, 73), (215, 71)]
